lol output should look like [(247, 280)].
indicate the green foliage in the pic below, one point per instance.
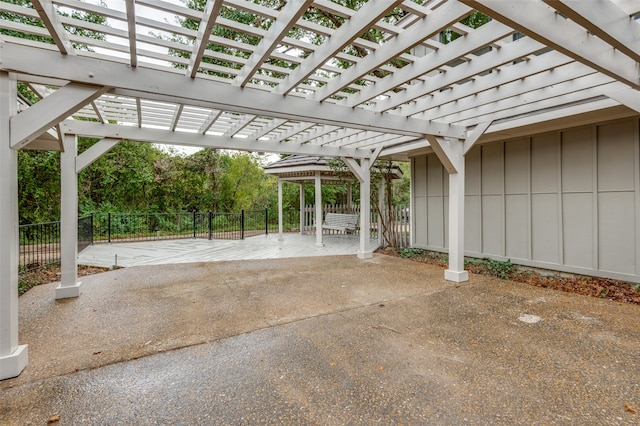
[(475, 20), (496, 268)]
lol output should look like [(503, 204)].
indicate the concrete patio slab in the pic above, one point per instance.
[(201, 250), (326, 340)]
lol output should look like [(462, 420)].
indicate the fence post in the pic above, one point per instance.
[(266, 221), (242, 225), (109, 228), (210, 225), (91, 227), (194, 224)]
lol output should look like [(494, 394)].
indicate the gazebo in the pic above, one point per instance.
[(384, 79), (299, 169)]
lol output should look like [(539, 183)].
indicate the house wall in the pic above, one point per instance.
[(567, 201)]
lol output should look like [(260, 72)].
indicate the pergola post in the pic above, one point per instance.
[(456, 271), (69, 284), (318, 194), (362, 172), (13, 357), (382, 212), (302, 213), (280, 233), (451, 155)]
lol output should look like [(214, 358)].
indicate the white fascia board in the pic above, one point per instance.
[(475, 40), (533, 89), (626, 96), (605, 20), (405, 147), (175, 88), (577, 110), (436, 22), (287, 18), (343, 36), (511, 108), (539, 21), (496, 58), (40, 117), (630, 7), (92, 129)]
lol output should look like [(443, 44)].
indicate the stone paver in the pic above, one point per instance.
[(326, 340)]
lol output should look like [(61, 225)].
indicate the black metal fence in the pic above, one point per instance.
[(40, 243)]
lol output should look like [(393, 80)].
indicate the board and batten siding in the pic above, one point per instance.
[(566, 201)]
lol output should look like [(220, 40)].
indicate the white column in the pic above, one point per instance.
[(456, 271), (365, 251), (13, 357), (318, 193), (280, 233), (349, 196), (69, 284), (302, 208)]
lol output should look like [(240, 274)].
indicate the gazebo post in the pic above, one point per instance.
[(302, 201), (318, 194), (13, 357), (382, 215), (69, 285), (280, 233)]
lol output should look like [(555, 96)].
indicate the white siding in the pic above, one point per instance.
[(567, 200)]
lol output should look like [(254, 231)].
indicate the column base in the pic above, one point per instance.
[(280, 237), (319, 244), (456, 276), (12, 365), (68, 292), (365, 254)]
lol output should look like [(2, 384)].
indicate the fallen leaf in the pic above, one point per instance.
[(630, 409), (381, 368), (54, 419), (97, 352), (333, 363), (532, 375)]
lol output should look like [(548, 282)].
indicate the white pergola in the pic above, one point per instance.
[(300, 89)]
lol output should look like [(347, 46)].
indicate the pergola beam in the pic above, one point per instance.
[(148, 83), (540, 21), (604, 20), (92, 129)]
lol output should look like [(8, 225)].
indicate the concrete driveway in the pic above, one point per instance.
[(326, 340)]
